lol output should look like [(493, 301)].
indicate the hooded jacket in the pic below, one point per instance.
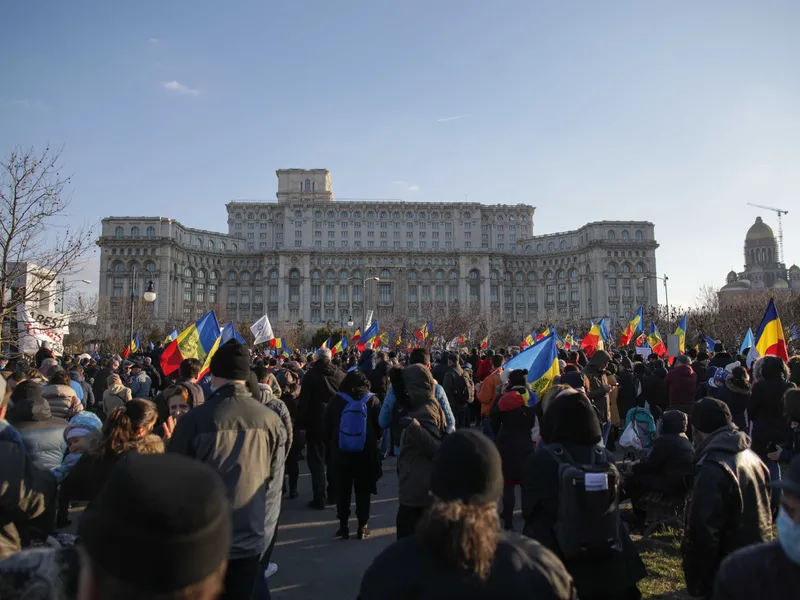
[(766, 404), (682, 385), (114, 397), (669, 466), (41, 432), (88, 393), (268, 398), (737, 396), (512, 420), (729, 507), (490, 390), (421, 438), (761, 571), (319, 385), (63, 400), (595, 380), (240, 439)]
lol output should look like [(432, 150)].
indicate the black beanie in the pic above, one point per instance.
[(231, 361), (570, 418), (710, 414), (161, 523), (467, 467)]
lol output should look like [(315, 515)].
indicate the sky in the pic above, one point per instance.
[(675, 112)]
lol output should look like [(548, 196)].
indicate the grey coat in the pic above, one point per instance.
[(240, 438)]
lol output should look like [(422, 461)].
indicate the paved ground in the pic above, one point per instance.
[(312, 563)]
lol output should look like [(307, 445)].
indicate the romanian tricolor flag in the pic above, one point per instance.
[(196, 341), (277, 343), (569, 341), (227, 334), (769, 337), (135, 345), (641, 340), (528, 341), (427, 330), (635, 325), (681, 333), (420, 337), (398, 339), (541, 361), (340, 345), (544, 334), (656, 343), (485, 342), (593, 341), (355, 338), (326, 344)]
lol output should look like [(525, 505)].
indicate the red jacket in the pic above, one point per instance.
[(682, 385), (484, 368)]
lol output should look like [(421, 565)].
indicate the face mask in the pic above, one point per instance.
[(789, 536)]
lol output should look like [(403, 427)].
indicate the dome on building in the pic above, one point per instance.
[(742, 284), (794, 269), (732, 277), (759, 231)]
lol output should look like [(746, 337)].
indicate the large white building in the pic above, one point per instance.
[(308, 256)]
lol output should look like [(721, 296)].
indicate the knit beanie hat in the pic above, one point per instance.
[(674, 421), (710, 414), (161, 523), (231, 361), (571, 419), (467, 467)]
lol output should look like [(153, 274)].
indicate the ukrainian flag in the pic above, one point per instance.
[(769, 337), (372, 332), (196, 341), (541, 361), (171, 336), (427, 331), (228, 333), (681, 333)]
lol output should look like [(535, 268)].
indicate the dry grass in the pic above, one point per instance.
[(661, 556)]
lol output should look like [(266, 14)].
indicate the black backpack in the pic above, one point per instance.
[(462, 390), (588, 524)]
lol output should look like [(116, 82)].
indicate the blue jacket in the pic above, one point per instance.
[(44, 441), (385, 418), (78, 391)]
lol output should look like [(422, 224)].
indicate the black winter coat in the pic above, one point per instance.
[(738, 400), (626, 398), (609, 577), (512, 422), (766, 413), (319, 385), (655, 390), (521, 569), (721, 360), (762, 571), (729, 508), (669, 466), (100, 384), (379, 379)]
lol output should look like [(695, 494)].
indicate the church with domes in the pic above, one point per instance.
[(763, 271)]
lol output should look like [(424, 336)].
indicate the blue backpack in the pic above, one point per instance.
[(353, 426)]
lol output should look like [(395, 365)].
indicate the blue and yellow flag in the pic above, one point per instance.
[(681, 333), (541, 361), (372, 332)]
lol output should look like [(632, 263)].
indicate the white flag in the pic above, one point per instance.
[(262, 330)]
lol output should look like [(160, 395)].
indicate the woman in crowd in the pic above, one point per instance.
[(736, 394), (289, 382), (63, 400), (115, 395), (457, 550)]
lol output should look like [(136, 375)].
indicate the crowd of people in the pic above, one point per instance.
[(183, 477)]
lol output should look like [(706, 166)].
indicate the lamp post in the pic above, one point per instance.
[(349, 324), (364, 303), (665, 279), (149, 296)]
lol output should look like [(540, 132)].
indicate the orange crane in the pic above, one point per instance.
[(780, 212)]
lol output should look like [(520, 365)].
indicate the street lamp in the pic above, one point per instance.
[(363, 301), (665, 279), (149, 297)]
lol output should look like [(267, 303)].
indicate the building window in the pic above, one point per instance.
[(316, 315), (212, 293), (119, 232), (612, 287), (412, 293), (134, 232), (187, 291), (344, 295), (307, 187), (200, 292), (385, 292), (294, 293), (272, 293)]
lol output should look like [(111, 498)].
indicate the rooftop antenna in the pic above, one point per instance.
[(780, 212)]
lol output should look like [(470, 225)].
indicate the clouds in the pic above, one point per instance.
[(446, 119), (180, 88), (410, 187), (153, 41)]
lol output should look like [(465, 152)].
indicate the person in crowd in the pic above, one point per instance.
[(681, 383), (770, 429), (669, 466), (457, 550), (512, 420), (319, 385), (152, 373), (422, 423), (571, 422), (654, 387), (26, 493), (474, 359), (440, 366), (458, 389), (100, 383), (160, 529), (489, 391), (178, 400), (43, 353), (770, 570), (730, 503), (598, 388), (791, 406), (58, 393), (366, 361), (352, 432), (76, 374), (626, 382), (140, 382), (290, 388), (115, 395), (264, 392), (736, 394), (127, 430), (379, 385), (240, 439), (484, 366), (722, 358), (41, 432)]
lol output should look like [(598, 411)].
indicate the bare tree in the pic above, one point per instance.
[(37, 247), (83, 310)]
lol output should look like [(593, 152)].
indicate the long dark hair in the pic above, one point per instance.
[(121, 427), (461, 536), (399, 387)]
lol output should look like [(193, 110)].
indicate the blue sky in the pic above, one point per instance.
[(677, 112)]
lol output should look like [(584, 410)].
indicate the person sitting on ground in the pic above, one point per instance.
[(457, 550), (770, 570), (352, 437), (58, 393), (669, 466), (161, 528), (730, 503)]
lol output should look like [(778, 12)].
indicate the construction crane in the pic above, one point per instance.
[(780, 212)]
